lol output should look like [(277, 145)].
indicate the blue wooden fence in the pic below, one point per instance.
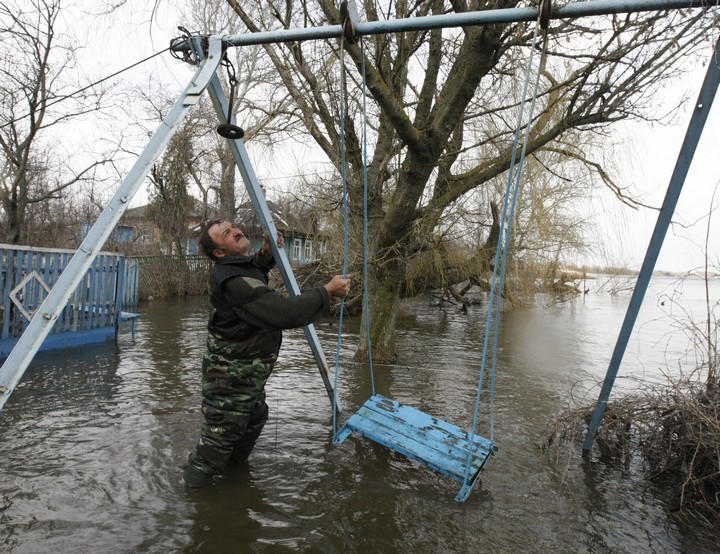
[(93, 311), (131, 282)]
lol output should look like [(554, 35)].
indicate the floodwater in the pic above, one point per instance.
[(93, 441)]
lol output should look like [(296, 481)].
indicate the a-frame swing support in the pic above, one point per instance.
[(47, 313), (205, 78), (402, 425), (677, 180)]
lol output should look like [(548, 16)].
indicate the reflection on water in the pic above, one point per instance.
[(93, 442)]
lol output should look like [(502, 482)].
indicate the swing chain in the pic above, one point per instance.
[(227, 129), (230, 69)]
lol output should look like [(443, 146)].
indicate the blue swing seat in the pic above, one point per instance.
[(435, 443)]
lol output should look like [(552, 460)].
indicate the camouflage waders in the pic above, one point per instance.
[(234, 408)]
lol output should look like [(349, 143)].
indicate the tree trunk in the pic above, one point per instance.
[(226, 192), (14, 223), (383, 307)]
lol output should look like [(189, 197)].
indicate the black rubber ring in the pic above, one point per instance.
[(229, 131)]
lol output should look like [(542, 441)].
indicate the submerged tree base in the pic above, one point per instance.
[(674, 429)]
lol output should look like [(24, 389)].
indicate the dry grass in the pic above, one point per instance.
[(674, 429), (164, 276)]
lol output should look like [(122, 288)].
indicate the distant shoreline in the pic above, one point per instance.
[(592, 272)]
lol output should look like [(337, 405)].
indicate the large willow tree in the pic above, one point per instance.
[(442, 108)]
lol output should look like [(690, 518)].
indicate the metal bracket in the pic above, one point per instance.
[(350, 20)]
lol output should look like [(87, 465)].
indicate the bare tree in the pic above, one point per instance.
[(445, 104), (170, 201), (35, 62)]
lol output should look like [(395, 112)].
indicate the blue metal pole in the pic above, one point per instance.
[(252, 185), (46, 315), (687, 151), (485, 17)]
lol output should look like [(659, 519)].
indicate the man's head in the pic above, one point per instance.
[(220, 238)]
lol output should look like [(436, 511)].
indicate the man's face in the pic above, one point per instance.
[(229, 240)]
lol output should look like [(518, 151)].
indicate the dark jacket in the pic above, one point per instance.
[(248, 312)]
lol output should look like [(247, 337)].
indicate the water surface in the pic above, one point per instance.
[(93, 441)]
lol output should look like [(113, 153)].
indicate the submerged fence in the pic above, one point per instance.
[(94, 310), (91, 314)]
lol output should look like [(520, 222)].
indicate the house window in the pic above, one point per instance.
[(123, 234), (297, 249), (308, 250)]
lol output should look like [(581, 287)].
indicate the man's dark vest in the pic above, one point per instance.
[(225, 320)]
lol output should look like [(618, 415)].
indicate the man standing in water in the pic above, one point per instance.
[(244, 336)]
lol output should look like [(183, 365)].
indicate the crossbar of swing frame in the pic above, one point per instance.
[(486, 17)]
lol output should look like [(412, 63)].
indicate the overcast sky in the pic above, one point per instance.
[(647, 162), (651, 159)]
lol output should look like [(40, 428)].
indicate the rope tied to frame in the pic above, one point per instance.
[(346, 240), (347, 27), (508, 214), (186, 55)]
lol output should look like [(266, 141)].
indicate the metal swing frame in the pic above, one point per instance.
[(437, 444)]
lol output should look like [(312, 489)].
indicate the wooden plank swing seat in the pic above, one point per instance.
[(435, 443)]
